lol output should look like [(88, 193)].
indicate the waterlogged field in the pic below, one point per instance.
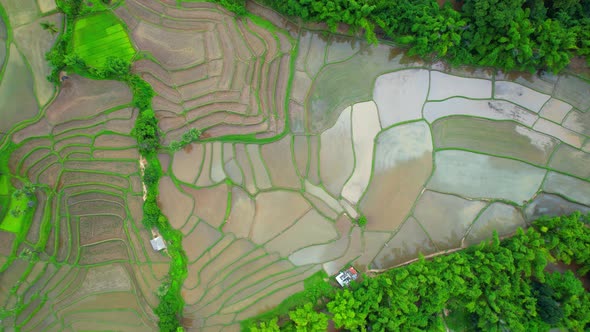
[(303, 133)]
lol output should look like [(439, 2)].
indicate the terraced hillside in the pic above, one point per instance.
[(212, 71), (88, 243), (304, 132)]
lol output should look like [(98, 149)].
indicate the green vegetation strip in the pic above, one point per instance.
[(495, 286)]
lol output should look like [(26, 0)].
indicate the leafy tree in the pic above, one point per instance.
[(192, 135), (18, 194), (347, 311), (70, 7), (270, 326), (308, 320), (117, 67), (567, 239), (549, 310), (362, 221), (142, 92), (573, 300), (151, 175), (75, 61)]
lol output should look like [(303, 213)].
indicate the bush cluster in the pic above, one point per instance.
[(192, 135)]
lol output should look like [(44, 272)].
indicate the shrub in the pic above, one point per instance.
[(188, 137), (361, 221), (142, 92)]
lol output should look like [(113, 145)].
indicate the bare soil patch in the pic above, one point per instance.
[(81, 97), (110, 251)]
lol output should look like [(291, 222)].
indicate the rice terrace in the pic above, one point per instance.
[(301, 165)]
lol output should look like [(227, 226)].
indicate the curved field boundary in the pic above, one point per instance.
[(184, 103)]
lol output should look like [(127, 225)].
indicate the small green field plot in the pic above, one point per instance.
[(15, 214), (99, 36)]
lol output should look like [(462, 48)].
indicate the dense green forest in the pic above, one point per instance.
[(508, 34), (495, 286)]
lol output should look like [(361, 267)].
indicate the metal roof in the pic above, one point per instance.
[(158, 243)]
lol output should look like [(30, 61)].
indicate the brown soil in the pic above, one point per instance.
[(116, 167), (127, 18), (99, 228), (77, 124), (40, 128), (103, 252), (17, 156), (82, 97), (210, 203), (230, 41), (142, 13), (199, 240)]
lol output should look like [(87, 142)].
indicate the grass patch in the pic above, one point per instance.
[(16, 207), (15, 215), (99, 36)]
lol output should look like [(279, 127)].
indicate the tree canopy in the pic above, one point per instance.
[(494, 286), (509, 34)]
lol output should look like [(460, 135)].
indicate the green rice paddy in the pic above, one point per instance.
[(99, 36), (13, 223)]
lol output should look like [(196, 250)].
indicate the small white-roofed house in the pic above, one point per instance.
[(158, 243), (345, 277)]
